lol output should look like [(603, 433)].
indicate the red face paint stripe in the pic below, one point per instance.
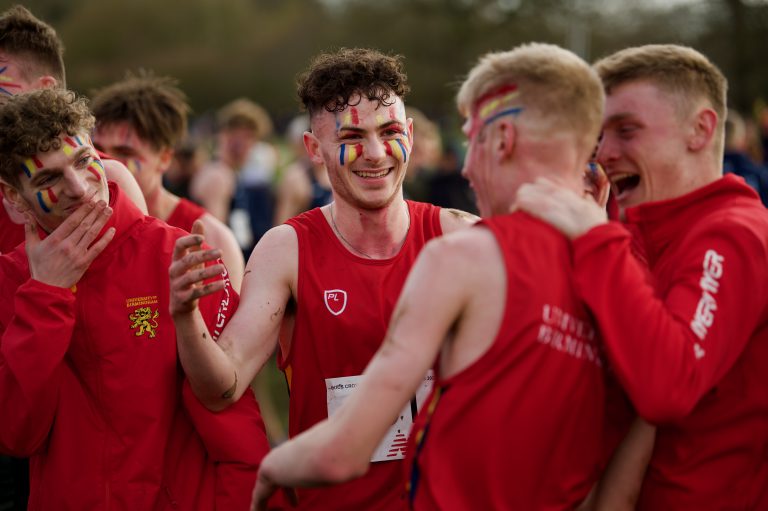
[(355, 116)]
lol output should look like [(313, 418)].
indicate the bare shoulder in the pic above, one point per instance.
[(274, 259), (456, 219), (464, 251), (119, 173)]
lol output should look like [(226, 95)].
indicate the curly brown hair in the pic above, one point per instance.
[(34, 41), (33, 122), (155, 108), (333, 78)]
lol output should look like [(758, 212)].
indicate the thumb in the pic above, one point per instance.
[(198, 228)]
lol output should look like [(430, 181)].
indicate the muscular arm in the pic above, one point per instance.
[(340, 447), (220, 372), (219, 236), (669, 350), (118, 173)]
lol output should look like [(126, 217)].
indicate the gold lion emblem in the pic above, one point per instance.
[(144, 320)]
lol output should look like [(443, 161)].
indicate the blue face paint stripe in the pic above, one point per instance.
[(26, 170), (402, 148), (510, 111), (341, 154), (42, 202)]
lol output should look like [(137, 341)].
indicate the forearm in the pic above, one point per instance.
[(664, 363), (619, 488), (211, 373)]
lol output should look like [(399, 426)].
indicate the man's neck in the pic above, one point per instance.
[(161, 203), (370, 233)]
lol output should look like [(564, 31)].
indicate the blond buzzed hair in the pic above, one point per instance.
[(680, 71), (34, 42), (558, 91)]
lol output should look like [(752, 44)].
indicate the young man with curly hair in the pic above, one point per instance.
[(321, 288), (90, 385), (31, 57), (139, 120), (515, 419)]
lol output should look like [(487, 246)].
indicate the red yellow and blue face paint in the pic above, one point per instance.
[(493, 105), (7, 84), (45, 198)]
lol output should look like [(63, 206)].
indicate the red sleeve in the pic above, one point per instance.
[(37, 326), (234, 438), (668, 351)]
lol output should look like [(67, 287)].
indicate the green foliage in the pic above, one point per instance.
[(222, 49)]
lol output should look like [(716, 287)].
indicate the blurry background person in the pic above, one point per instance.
[(304, 185), (737, 159)]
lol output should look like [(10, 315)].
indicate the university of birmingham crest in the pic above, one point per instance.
[(143, 320), (335, 301)]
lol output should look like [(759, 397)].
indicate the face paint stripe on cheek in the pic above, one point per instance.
[(349, 153), (42, 202), (97, 168)]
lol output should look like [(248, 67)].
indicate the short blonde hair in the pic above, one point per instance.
[(557, 89), (244, 113), (680, 71)]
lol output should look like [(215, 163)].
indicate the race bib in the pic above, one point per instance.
[(393, 445)]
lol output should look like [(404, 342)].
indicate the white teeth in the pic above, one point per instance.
[(618, 176), (372, 174)]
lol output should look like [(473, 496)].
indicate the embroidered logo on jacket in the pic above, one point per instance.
[(335, 300), (143, 318)]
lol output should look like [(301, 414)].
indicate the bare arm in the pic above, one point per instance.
[(219, 236), (619, 487), (118, 173), (220, 372), (340, 448)]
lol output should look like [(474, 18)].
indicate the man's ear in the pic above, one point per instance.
[(312, 145), (504, 147), (47, 82), (13, 197), (166, 157), (702, 129)]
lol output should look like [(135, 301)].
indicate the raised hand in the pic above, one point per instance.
[(188, 272), (562, 208), (63, 257)]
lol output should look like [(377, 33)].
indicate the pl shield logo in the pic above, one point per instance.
[(335, 300)]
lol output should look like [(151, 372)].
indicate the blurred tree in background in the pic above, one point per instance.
[(221, 49)]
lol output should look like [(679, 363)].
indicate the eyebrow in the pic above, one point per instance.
[(384, 125), (621, 116)]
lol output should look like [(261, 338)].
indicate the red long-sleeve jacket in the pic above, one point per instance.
[(690, 347), (91, 386)]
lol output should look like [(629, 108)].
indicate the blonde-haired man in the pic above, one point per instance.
[(515, 418), (688, 342)]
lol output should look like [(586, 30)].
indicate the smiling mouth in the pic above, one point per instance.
[(371, 174), (623, 184)]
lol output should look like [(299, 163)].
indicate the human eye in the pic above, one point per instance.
[(626, 130), (84, 160)]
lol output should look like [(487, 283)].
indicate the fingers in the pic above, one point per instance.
[(186, 243), (198, 228), (197, 276), (99, 246), (75, 220), (92, 225), (185, 262)]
